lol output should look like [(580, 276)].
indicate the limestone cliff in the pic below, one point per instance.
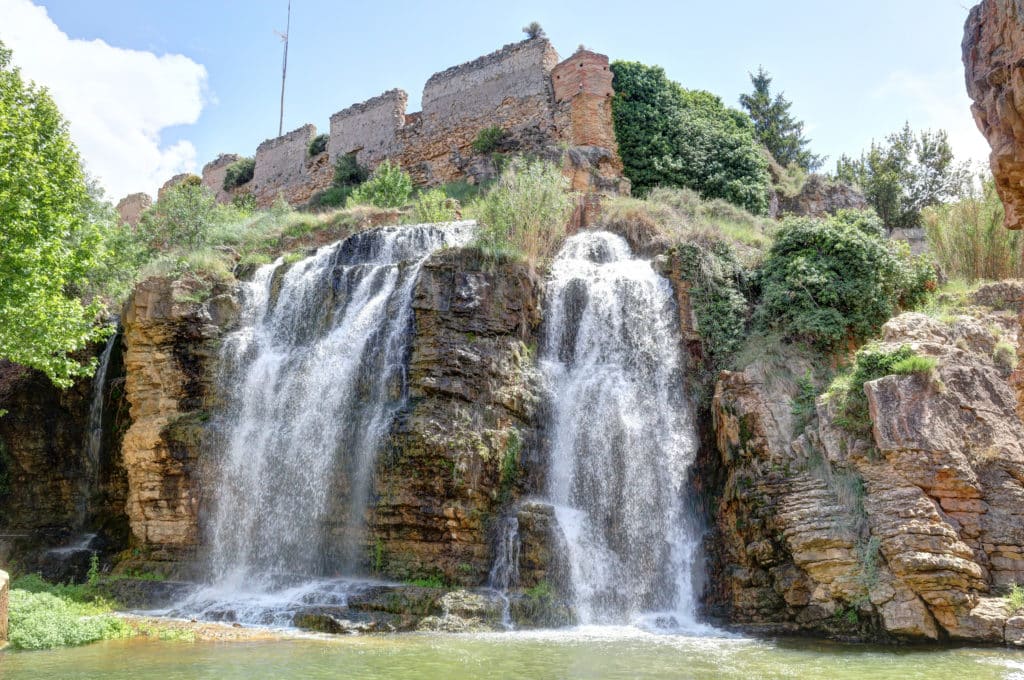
[(912, 530), (170, 347), (459, 450), (993, 54)]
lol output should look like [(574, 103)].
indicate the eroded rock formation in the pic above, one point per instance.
[(993, 54), (912, 530)]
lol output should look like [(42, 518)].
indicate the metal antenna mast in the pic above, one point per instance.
[(284, 67)]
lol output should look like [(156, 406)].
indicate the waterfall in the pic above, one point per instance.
[(94, 428), (310, 382), (621, 434)]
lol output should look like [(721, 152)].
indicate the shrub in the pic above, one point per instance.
[(1016, 597), (671, 136), (318, 145), (1004, 355), (525, 212), (915, 365), (348, 172), (489, 139), (434, 206), (870, 363), (239, 173), (181, 217), (533, 30), (969, 240), (43, 615), (389, 187), (333, 197), (829, 281), (245, 203)]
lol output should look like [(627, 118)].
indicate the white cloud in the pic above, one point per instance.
[(117, 100), (939, 100)]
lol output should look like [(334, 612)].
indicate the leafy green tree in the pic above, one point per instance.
[(389, 187), (775, 126), (47, 243), (905, 174), (671, 136), (829, 281), (181, 218)]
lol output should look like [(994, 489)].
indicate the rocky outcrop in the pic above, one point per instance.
[(458, 450), (911, 530), (170, 346), (819, 197), (131, 207), (993, 54), (51, 494)]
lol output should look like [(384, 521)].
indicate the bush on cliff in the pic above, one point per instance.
[(182, 217), (670, 136), (238, 173), (434, 206), (389, 187), (318, 145), (526, 212), (835, 280)]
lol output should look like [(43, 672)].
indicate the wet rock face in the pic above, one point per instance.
[(170, 356), (458, 451), (819, 197), (913, 530), (993, 55), (50, 494)]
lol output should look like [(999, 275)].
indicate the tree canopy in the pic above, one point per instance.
[(775, 126), (47, 242), (905, 174), (672, 136)]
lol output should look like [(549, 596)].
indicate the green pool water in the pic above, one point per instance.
[(598, 653)]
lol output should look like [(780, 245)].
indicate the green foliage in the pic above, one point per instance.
[(830, 281), (182, 218), (43, 615), (1016, 597), (489, 139), (389, 187), (915, 365), (332, 197), (775, 126), (244, 203), (1004, 355), (716, 295), (428, 582), (790, 180), (870, 363), (348, 172), (238, 173), (905, 174), (526, 211), (47, 243), (968, 238), (804, 406), (462, 191), (318, 145), (93, 576), (434, 206), (671, 136), (540, 591), (533, 30)]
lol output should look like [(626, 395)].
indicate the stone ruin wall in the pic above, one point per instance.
[(544, 106)]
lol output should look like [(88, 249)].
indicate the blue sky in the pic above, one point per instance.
[(854, 70)]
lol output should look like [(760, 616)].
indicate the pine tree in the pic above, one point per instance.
[(775, 126)]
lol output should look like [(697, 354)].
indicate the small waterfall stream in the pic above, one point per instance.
[(311, 380), (621, 434)]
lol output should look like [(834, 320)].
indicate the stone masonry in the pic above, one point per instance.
[(544, 107)]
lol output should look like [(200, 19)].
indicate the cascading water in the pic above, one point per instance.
[(94, 431), (311, 380), (621, 435)]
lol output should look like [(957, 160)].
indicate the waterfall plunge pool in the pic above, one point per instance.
[(587, 652)]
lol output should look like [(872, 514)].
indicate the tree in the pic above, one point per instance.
[(533, 30), (905, 174), (830, 280), (671, 136), (775, 127), (47, 243)]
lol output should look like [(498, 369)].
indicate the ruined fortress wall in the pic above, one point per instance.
[(541, 104), (368, 129), (213, 175), (510, 88), (283, 167)]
